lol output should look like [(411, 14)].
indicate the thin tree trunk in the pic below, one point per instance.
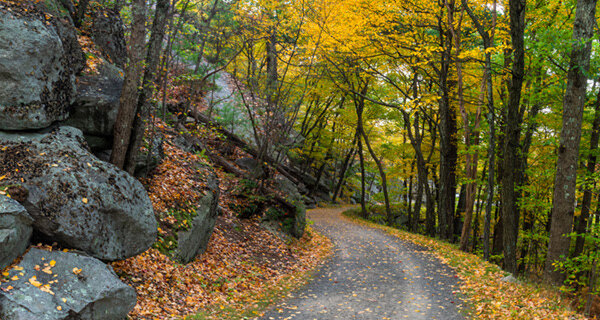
[(448, 142), (342, 175), (129, 95), (570, 136), (211, 15), (363, 205), (477, 214), (148, 85), (381, 174)]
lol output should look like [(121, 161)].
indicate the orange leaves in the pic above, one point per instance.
[(243, 261), (235, 271), (92, 54), (176, 181)]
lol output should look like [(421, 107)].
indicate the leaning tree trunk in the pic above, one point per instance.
[(345, 165), (570, 136), (129, 95), (381, 171)]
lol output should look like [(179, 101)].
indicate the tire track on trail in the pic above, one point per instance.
[(372, 275)]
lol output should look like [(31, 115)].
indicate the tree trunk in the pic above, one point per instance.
[(363, 205), (448, 142), (211, 15), (379, 167), (588, 189), (129, 95), (477, 219), (510, 211), (342, 174), (498, 243), (487, 43), (148, 85), (570, 136)]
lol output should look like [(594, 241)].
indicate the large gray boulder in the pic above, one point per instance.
[(108, 35), (76, 199), (251, 165), (94, 110), (36, 80), (56, 285), (194, 241), (190, 236), (15, 230), (292, 195)]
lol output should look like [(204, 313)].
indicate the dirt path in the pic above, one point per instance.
[(372, 275)]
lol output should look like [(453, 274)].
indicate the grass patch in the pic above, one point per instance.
[(487, 295)]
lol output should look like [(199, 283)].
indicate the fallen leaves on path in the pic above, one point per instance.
[(488, 295), (234, 272)]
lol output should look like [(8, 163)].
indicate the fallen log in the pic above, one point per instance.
[(231, 168), (293, 174)]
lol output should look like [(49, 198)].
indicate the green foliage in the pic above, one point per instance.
[(166, 244), (182, 221), (273, 214), (229, 115), (251, 202), (581, 271)]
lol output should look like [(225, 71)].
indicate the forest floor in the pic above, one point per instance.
[(372, 275)]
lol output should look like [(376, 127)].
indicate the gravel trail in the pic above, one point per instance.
[(372, 275)]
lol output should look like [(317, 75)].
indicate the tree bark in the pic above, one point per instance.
[(588, 189), (148, 85), (342, 174), (382, 175), (448, 142), (570, 136), (510, 211), (129, 95), (363, 205)]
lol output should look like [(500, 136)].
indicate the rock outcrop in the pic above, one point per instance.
[(15, 230), (107, 31), (76, 199), (251, 165), (60, 192), (194, 241), (192, 238), (56, 285), (36, 80), (96, 104), (298, 219)]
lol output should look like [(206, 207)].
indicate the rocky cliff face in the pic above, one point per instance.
[(52, 185)]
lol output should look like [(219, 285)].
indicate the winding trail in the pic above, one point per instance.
[(372, 275)]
